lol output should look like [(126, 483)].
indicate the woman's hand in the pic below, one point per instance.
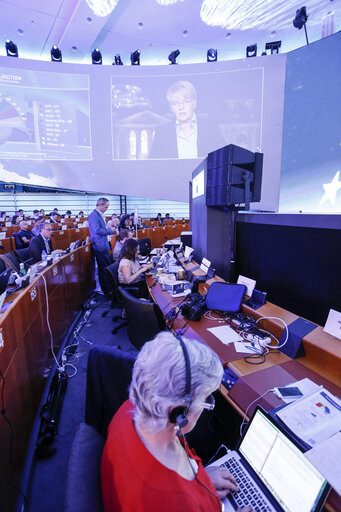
[(222, 480), (146, 267)]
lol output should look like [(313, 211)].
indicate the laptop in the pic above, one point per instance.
[(272, 472)]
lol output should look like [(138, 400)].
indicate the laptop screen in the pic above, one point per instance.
[(286, 472)]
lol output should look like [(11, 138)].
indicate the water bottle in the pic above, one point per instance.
[(22, 270)]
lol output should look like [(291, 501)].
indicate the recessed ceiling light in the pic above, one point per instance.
[(185, 33), (74, 48), (140, 24), (20, 31), (89, 19), (228, 35), (273, 33)]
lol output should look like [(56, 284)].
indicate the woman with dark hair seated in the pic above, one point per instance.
[(129, 270), (15, 220), (147, 465)]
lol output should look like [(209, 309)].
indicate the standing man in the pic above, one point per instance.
[(99, 237)]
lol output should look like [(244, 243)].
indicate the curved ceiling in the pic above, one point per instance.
[(157, 27)]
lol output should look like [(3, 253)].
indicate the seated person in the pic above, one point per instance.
[(42, 212), (54, 218), (36, 226), (15, 220), (81, 214), (168, 217), (67, 214), (24, 235), (123, 235), (35, 214), (42, 242), (124, 222), (159, 219), (147, 464), (130, 271)]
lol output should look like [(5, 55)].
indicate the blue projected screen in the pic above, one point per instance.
[(311, 151)]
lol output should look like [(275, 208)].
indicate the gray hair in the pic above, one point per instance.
[(43, 225), (181, 86), (159, 378), (102, 200)]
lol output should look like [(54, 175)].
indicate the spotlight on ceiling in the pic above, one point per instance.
[(300, 20), (274, 46), (11, 49), (212, 55), (56, 54), (96, 56), (135, 58), (173, 56), (251, 51), (118, 60)]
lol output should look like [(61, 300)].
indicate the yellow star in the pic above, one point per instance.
[(331, 189)]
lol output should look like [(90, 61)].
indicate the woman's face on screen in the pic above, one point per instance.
[(183, 105)]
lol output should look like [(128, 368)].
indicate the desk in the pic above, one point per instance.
[(26, 355), (321, 363)]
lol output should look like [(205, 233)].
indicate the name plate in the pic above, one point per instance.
[(333, 324)]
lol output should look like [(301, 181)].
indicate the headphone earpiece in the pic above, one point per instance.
[(178, 416)]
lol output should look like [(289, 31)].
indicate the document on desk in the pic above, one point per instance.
[(326, 457), (225, 334), (313, 418)]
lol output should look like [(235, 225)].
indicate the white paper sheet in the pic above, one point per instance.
[(225, 334), (326, 457)]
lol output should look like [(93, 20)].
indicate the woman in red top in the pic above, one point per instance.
[(146, 464)]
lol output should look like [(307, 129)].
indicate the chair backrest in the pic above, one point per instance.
[(108, 377), (78, 243), (111, 273), (13, 260), (145, 246), (145, 319), (24, 256), (18, 242)]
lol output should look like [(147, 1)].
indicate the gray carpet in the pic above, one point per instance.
[(48, 476)]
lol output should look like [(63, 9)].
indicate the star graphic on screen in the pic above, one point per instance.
[(331, 189)]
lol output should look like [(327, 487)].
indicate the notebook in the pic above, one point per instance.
[(271, 471)]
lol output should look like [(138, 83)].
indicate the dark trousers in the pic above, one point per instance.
[(103, 260)]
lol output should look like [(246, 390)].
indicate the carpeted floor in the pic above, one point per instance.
[(45, 492)]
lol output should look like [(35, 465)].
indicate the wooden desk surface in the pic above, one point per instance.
[(321, 363)]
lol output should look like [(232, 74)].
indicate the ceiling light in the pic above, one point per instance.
[(96, 56), (212, 55), (168, 2), (102, 7), (249, 14), (173, 55), (11, 49), (135, 58), (274, 46), (118, 60), (251, 51), (56, 54), (300, 20)]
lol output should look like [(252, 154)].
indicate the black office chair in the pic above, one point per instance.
[(19, 244), (111, 273), (144, 319), (24, 256), (13, 261), (145, 246), (108, 377)]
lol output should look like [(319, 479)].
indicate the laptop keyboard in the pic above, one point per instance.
[(248, 493)]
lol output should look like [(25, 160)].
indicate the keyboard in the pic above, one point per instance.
[(248, 493)]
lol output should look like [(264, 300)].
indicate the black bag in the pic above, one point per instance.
[(225, 297)]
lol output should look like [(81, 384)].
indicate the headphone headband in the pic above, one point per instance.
[(179, 414)]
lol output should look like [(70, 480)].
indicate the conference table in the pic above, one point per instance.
[(321, 362), (26, 357)]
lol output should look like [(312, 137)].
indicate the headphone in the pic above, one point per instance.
[(178, 415)]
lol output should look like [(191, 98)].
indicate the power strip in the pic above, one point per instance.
[(257, 340)]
